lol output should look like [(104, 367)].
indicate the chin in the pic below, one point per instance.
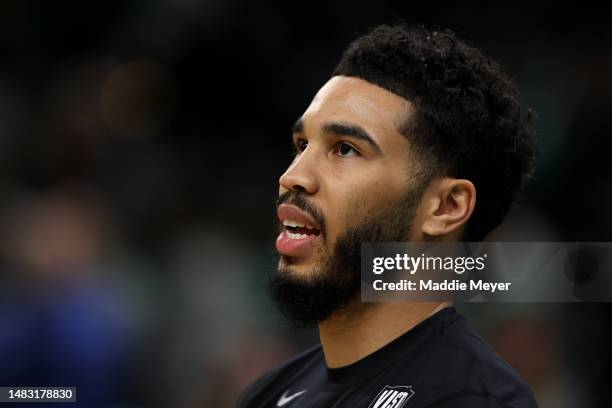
[(297, 268)]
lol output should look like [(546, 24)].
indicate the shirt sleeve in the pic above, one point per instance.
[(246, 397)]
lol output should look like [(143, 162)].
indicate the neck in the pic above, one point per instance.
[(362, 328)]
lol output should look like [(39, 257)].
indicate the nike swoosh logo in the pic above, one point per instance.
[(284, 399)]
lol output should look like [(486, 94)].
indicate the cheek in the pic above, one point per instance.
[(351, 199), (349, 207), (339, 213)]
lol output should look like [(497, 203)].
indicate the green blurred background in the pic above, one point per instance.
[(140, 148)]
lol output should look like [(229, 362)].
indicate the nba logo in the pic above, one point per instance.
[(392, 397)]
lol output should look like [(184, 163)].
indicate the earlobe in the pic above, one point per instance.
[(433, 227)]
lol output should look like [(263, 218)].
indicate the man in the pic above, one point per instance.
[(394, 147)]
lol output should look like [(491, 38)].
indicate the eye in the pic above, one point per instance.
[(300, 145), (345, 150)]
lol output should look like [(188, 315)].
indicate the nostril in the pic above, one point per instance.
[(299, 188)]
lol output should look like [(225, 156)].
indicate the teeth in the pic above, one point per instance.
[(291, 235), (291, 223)]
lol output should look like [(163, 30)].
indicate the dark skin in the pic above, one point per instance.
[(349, 156)]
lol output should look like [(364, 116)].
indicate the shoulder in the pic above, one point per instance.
[(473, 400), (283, 373), (475, 372)]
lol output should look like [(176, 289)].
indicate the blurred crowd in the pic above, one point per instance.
[(140, 149)]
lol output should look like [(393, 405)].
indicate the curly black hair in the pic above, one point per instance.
[(467, 123)]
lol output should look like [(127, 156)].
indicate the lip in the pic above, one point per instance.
[(289, 211), (295, 247)]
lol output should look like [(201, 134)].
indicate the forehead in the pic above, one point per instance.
[(349, 99)]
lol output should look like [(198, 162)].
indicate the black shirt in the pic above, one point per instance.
[(440, 363)]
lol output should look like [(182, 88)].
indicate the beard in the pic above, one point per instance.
[(335, 282)]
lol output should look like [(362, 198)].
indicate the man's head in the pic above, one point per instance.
[(394, 147)]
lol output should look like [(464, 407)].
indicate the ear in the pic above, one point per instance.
[(448, 205)]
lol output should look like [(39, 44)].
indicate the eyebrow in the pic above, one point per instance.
[(344, 129)]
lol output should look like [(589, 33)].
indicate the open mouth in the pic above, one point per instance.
[(296, 230), (299, 233)]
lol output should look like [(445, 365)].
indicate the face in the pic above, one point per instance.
[(349, 182)]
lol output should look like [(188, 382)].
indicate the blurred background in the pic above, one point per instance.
[(140, 148)]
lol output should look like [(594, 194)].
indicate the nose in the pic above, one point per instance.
[(301, 176)]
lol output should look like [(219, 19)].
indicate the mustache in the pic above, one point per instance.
[(301, 202)]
